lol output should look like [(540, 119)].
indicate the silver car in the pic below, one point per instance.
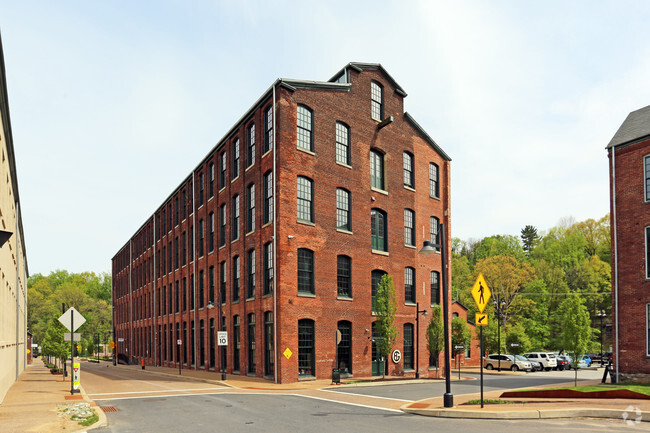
[(507, 362)]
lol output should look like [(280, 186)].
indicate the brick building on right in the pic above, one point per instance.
[(629, 173)]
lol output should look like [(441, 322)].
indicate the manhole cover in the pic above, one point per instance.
[(109, 408)]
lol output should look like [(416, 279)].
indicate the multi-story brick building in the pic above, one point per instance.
[(286, 226), (629, 165), (14, 345)]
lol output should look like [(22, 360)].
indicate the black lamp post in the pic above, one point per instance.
[(601, 314), (430, 248), (211, 306), (417, 338)]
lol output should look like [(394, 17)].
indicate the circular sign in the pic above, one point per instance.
[(396, 356)]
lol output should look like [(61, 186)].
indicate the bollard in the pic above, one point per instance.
[(143, 363)]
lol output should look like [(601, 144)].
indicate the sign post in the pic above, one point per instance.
[(68, 320), (481, 294), (179, 342)]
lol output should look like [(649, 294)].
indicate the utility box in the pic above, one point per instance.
[(336, 375)]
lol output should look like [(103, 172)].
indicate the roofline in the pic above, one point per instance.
[(426, 136), (6, 123), (611, 146), (359, 66)]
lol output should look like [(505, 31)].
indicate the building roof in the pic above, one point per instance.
[(635, 127), (358, 66)]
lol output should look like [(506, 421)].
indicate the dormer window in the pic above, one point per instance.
[(377, 101)]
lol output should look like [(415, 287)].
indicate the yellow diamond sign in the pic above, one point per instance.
[(481, 293), (287, 353)]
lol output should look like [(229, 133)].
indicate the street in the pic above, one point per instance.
[(140, 402)]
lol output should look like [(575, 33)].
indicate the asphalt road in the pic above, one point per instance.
[(233, 413)]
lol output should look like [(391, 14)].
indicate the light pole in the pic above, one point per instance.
[(417, 337), (211, 306), (601, 314), (431, 248)]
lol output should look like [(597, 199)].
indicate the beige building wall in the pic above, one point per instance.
[(13, 265)]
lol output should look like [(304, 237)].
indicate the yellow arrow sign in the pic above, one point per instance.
[(481, 319), (481, 293), (111, 345)]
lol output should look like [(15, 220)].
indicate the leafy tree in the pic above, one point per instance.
[(576, 329), (460, 335), (385, 309), (53, 344), (435, 337), (517, 335), (499, 245), (529, 237)]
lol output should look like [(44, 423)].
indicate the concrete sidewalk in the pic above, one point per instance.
[(32, 403)]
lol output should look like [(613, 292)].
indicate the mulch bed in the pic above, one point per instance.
[(568, 393)]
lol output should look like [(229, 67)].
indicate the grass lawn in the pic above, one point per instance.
[(641, 388)]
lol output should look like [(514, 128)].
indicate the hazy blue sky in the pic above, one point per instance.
[(114, 102)]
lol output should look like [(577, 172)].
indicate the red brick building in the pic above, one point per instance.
[(286, 226), (629, 165)]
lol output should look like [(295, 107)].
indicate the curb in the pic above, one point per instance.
[(634, 417)]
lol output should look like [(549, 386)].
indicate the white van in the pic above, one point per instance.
[(548, 360)]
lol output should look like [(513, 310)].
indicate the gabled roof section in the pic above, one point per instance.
[(635, 127), (426, 136), (359, 67), (304, 84)]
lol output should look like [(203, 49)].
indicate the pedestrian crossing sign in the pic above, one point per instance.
[(481, 293)]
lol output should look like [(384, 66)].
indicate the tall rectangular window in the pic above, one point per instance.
[(222, 225), (305, 138), (199, 200), (222, 170), (435, 287), (342, 143), (177, 210), (201, 238), (433, 181), (409, 173), (647, 338), (268, 197), (305, 271), (183, 205), (234, 234), (409, 227), (236, 343), (235, 158), (252, 368), (377, 170), (250, 145), (647, 252), (408, 346), (222, 283), (201, 289), (211, 181), (235, 278), (376, 101), (268, 129), (434, 233), (211, 232), (211, 285), (250, 292), (343, 210), (379, 230), (344, 276), (250, 211), (409, 285), (305, 203), (646, 170), (268, 268), (306, 349), (184, 248)]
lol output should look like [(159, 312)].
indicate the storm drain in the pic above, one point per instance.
[(109, 408)]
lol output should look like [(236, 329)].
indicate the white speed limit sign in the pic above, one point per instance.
[(222, 338), (396, 356)]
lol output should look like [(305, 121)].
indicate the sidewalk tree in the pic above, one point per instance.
[(435, 339), (385, 309), (576, 330), (460, 335), (53, 344)]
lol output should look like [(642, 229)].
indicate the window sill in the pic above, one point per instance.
[(410, 188), (249, 167), (434, 197), (306, 377), (267, 224), (306, 295), (347, 232), (344, 165), (307, 151), (234, 240), (267, 152), (410, 246), (234, 179), (250, 232), (344, 298), (222, 189), (410, 303), (381, 253), (307, 223), (380, 191), (252, 298)]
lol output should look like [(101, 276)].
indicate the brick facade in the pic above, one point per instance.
[(141, 269), (630, 211)]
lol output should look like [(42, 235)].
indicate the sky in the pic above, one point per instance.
[(113, 103)]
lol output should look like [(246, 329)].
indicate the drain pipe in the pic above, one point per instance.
[(615, 256), (275, 248)]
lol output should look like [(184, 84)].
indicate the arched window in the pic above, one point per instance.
[(344, 363), (379, 230), (305, 128)]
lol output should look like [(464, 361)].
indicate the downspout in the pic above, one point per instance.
[(17, 293), (155, 283), (196, 326), (275, 249), (131, 324), (615, 254)]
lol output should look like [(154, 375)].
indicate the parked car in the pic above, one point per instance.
[(595, 357), (562, 363), (587, 360), (508, 362), (536, 365), (547, 360), (581, 362)]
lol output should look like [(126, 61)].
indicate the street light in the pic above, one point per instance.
[(498, 303), (211, 306), (601, 314), (427, 249), (417, 337)]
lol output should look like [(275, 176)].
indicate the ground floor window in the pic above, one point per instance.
[(268, 344), (345, 347), (306, 354), (408, 346), (252, 367), (647, 342), (236, 343)]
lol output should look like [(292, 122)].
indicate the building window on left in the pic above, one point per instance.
[(646, 169), (305, 202), (306, 349), (305, 130), (647, 252), (305, 271)]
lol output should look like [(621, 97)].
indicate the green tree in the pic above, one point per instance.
[(517, 341), (576, 329), (435, 337), (460, 335), (385, 309), (499, 245), (53, 344), (529, 237)]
